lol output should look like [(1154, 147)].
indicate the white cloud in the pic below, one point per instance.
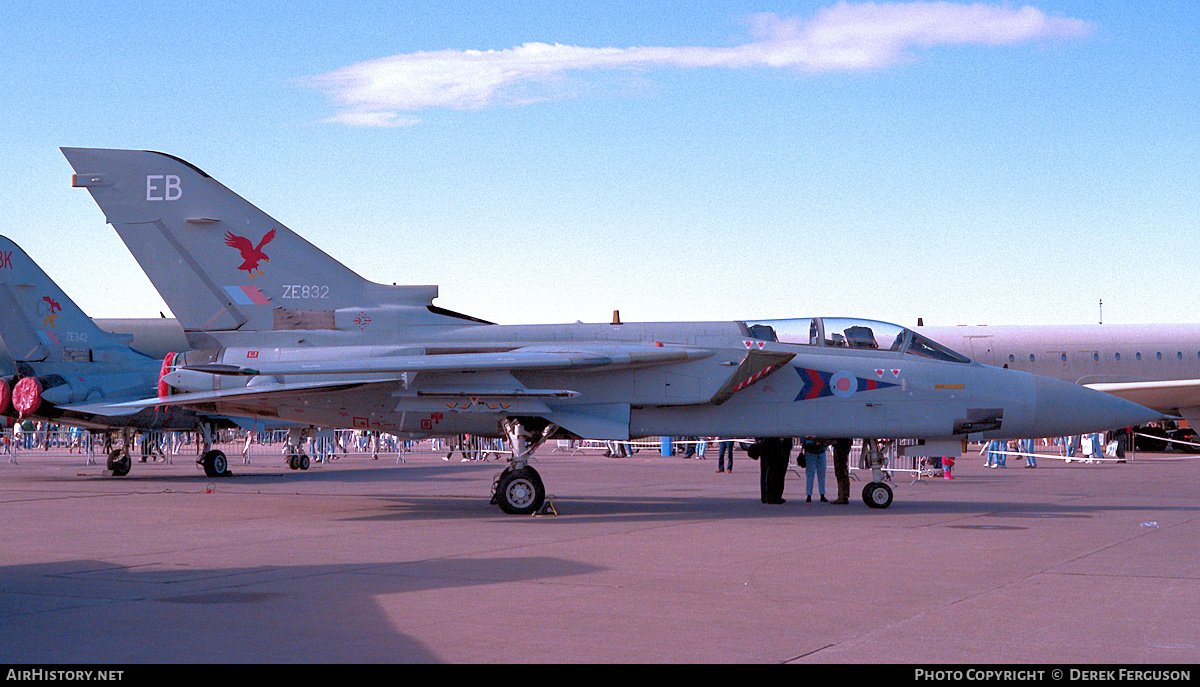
[(843, 37), (372, 119)]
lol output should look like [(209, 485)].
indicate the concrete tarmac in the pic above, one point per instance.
[(649, 559)]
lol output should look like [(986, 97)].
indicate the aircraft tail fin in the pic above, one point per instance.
[(38, 322), (219, 262)]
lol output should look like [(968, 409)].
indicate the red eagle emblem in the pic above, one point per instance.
[(251, 254), (50, 312)]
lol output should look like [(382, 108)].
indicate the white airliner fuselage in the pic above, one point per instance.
[(1155, 365)]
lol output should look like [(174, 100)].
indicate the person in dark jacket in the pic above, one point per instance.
[(773, 454), (841, 470)]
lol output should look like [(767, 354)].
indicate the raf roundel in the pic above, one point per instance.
[(843, 384)]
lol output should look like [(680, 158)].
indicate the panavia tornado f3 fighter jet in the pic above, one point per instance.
[(278, 329)]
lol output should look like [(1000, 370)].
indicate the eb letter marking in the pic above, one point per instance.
[(163, 187)]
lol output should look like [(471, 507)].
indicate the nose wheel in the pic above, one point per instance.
[(297, 460), (293, 454), (877, 495)]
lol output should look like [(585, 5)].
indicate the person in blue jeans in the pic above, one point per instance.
[(814, 466), (1027, 446), (995, 457), (1097, 453), (724, 447)]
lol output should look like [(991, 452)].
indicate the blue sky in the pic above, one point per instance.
[(542, 162)]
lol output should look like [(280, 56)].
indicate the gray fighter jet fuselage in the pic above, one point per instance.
[(605, 381), (279, 329)]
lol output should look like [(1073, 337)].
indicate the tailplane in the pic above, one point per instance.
[(222, 264)]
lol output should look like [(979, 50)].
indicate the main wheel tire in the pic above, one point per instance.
[(302, 462), (215, 463), (119, 463), (877, 495), (520, 491)]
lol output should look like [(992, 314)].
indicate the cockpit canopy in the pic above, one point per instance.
[(845, 332)]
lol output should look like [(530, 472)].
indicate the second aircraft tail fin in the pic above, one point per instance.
[(38, 322)]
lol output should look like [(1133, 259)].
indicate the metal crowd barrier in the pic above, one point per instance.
[(335, 444), (76, 442), (167, 446)]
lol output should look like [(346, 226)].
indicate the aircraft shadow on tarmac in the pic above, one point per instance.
[(379, 474), (704, 508), (673, 504), (86, 611)]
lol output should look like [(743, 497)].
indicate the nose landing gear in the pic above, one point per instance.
[(877, 494)]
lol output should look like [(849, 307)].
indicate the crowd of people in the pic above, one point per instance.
[(773, 454), (28, 435)]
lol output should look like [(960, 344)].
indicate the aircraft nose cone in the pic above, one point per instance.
[(1064, 408)]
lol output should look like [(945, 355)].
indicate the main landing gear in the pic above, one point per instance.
[(518, 489), (119, 461), (213, 460), (877, 494), (215, 463)]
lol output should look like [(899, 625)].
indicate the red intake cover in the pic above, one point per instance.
[(168, 362), (27, 396)]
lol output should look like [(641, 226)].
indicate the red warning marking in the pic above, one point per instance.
[(755, 377)]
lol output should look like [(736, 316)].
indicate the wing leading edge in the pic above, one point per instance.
[(579, 358), (267, 379)]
